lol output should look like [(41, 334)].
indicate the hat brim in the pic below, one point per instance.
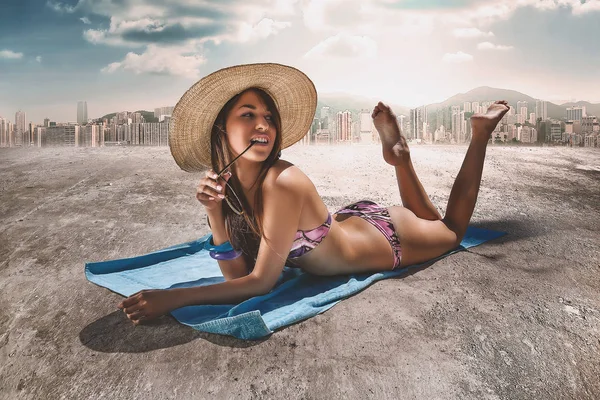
[(194, 115)]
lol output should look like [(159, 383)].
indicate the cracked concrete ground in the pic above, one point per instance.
[(516, 318)]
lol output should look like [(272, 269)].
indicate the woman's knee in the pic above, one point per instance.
[(457, 233)]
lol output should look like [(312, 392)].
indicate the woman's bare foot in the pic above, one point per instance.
[(394, 146), (484, 124)]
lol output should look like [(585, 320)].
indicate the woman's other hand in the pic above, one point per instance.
[(149, 304), (210, 190)]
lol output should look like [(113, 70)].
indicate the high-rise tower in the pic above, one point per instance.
[(82, 116), (21, 129)]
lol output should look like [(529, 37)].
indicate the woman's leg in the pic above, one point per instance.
[(466, 186), (423, 240), (397, 153)]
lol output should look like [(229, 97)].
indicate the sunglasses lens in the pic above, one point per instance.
[(232, 200), (230, 197)]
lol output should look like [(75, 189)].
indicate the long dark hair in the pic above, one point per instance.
[(244, 231)]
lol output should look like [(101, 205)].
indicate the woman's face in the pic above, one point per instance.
[(248, 119)]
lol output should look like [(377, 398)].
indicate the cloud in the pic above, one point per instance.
[(135, 23), (578, 7), (427, 4), (265, 28), (159, 60), (153, 31), (38, 59), (470, 33), (366, 18), (582, 8), (179, 24), (102, 36), (466, 18), (61, 7), (326, 15), (491, 46), (85, 20), (344, 45), (455, 58), (170, 34), (504, 9), (11, 55)]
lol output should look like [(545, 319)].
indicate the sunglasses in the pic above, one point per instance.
[(234, 201)]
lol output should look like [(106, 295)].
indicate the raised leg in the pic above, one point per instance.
[(423, 240), (397, 153), (466, 186)]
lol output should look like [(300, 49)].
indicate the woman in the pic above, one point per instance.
[(235, 122)]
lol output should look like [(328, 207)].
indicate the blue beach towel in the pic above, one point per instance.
[(295, 297)]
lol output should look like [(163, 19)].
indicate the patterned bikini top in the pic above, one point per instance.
[(305, 241)]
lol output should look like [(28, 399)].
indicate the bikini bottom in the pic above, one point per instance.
[(380, 218)]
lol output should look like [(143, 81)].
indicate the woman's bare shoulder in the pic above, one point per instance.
[(285, 175)]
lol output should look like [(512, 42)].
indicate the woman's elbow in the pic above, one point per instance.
[(260, 285)]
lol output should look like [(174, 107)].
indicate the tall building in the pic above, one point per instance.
[(20, 128), (528, 134), (63, 135), (440, 134), (458, 125), (138, 118), (588, 123), (325, 131), (91, 136), (344, 123), (575, 113), (523, 113), (541, 109), (520, 105), (5, 137), (467, 107), (365, 127), (439, 119), (122, 118), (162, 112), (532, 118), (82, 116), (418, 123), (46, 122), (401, 122), (39, 134), (155, 134), (555, 131)]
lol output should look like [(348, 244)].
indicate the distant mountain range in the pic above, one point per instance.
[(148, 116), (340, 102)]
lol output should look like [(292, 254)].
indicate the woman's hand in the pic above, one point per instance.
[(149, 304), (210, 190)]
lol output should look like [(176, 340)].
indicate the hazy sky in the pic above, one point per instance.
[(140, 54)]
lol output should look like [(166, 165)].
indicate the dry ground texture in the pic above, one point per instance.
[(516, 318)]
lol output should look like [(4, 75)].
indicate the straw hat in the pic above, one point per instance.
[(195, 113)]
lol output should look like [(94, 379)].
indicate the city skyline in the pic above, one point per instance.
[(140, 55), (527, 123)]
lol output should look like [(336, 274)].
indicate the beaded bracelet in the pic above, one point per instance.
[(226, 255), (208, 245)]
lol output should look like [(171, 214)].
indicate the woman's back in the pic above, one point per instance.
[(347, 244)]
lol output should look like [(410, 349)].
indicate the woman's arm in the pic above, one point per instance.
[(230, 269), (283, 200)]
